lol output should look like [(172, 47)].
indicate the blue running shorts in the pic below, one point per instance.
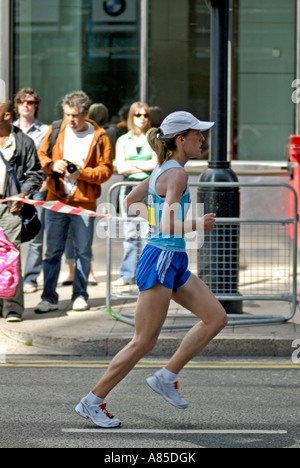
[(166, 267)]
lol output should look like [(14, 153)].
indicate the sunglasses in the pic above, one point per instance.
[(23, 101), (141, 115)]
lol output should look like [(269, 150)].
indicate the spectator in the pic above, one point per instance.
[(123, 120), (100, 114), (27, 103), (82, 143), (135, 160), (156, 116), (19, 150)]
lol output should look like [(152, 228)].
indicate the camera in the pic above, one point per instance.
[(72, 169)]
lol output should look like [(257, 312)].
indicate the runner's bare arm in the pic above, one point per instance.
[(136, 200)]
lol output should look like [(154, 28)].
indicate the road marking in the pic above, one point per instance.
[(176, 431), (151, 364)]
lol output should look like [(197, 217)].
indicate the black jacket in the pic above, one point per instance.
[(26, 165)]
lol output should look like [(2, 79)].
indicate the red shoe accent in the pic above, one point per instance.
[(103, 407)]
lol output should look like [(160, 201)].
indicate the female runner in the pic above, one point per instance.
[(162, 272)]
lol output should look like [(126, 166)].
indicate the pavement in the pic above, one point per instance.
[(97, 333)]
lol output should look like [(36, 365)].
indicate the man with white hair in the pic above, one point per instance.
[(80, 162)]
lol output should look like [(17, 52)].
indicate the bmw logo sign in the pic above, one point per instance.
[(114, 7)]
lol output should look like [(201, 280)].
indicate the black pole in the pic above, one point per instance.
[(218, 81), (218, 259)]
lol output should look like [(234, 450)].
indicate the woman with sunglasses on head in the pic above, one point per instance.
[(162, 272), (135, 160)]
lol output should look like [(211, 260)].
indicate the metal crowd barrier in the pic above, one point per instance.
[(266, 263)]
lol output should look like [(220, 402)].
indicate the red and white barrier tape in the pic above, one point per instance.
[(57, 206)]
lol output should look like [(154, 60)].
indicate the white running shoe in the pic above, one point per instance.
[(44, 307), (168, 390), (120, 282), (80, 304), (98, 414)]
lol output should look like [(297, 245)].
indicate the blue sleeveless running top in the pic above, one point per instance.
[(155, 206)]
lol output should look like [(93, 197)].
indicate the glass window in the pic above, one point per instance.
[(94, 45), (264, 71), (65, 45), (179, 55), (111, 53)]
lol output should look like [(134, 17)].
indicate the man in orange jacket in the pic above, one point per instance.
[(80, 161)]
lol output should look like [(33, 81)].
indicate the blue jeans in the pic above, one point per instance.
[(70, 249), (135, 240), (34, 259), (57, 226)]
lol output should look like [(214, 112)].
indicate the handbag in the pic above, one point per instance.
[(9, 267), (30, 222)]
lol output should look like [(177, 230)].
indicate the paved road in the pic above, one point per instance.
[(233, 403)]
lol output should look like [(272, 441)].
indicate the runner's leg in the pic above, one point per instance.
[(151, 312), (195, 296)]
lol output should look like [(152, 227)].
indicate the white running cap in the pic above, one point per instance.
[(182, 121)]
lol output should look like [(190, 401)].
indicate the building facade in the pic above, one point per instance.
[(120, 51)]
